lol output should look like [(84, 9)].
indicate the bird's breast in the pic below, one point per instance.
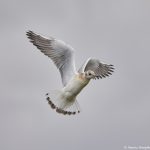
[(76, 84)]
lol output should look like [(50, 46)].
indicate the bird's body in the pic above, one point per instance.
[(76, 84), (73, 81), (65, 97)]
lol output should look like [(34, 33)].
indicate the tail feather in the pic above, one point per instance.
[(61, 105)]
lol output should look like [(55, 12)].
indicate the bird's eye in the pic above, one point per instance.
[(90, 74)]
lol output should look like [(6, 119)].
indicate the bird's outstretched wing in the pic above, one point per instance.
[(61, 54), (101, 70)]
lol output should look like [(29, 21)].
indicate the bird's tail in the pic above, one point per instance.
[(61, 104)]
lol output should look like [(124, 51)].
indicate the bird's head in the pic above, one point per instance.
[(90, 74)]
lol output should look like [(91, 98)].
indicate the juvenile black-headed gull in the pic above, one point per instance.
[(64, 100)]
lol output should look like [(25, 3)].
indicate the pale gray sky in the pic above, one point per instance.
[(115, 111)]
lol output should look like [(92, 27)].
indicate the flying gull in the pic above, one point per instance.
[(64, 100)]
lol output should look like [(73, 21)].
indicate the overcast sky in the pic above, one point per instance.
[(114, 111)]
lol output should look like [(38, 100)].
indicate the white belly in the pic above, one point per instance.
[(75, 85)]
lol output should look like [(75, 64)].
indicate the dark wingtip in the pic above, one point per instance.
[(111, 67), (30, 34)]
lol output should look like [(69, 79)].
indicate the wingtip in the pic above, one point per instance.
[(29, 33)]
